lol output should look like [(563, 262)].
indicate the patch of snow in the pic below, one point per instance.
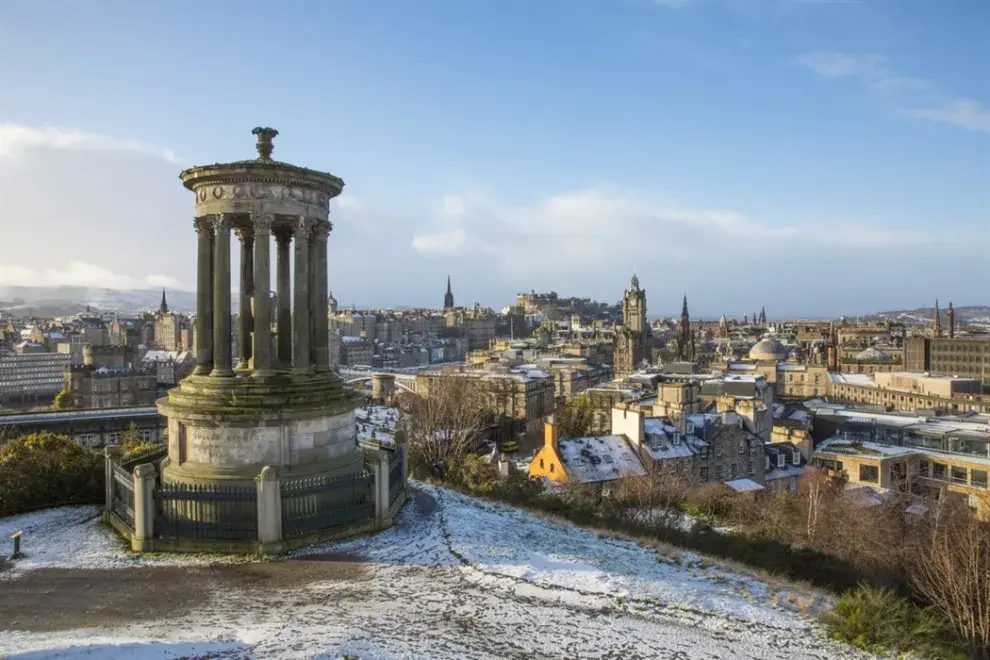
[(455, 577)]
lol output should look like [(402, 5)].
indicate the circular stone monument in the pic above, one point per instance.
[(279, 405)]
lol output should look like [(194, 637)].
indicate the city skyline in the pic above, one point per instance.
[(824, 158)]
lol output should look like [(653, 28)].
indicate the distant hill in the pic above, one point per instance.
[(66, 300), (923, 315)]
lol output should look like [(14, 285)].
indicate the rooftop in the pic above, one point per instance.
[(599, 458)]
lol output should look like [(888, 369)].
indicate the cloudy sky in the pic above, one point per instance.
[(813, 156)]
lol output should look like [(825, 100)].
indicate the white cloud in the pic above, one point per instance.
[(78, 273), (914, 97), (965, 113), (15, 138), (838, 65), (348, 202), (584, 230), (446, 243)]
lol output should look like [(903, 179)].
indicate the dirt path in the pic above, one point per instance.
[(63, 599)]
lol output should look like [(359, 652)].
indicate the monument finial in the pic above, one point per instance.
[(265, 137)]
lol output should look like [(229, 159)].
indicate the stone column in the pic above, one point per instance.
[(321, 307), (221, 296), (269, 509), (144, 507), (204, 296), (300, 303), (283, 315), (382, 499), (261, 350), (245, 316)]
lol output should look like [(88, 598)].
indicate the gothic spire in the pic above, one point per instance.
[(448, 297), (163, 308), (937, 321)]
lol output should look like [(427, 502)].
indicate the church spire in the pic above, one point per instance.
[(937, 321), (448, 297), (163, 308)]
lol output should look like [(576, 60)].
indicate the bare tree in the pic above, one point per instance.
[(951, 569), (815, 490), (445, 425)]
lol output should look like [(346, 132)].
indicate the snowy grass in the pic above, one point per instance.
[(456, 577), (75, 537)]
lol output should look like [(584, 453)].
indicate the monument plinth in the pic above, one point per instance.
[(280, 405)]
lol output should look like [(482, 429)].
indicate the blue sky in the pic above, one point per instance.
[(814, 157)]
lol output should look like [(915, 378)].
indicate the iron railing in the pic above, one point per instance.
[(207, 512), (123, 495), (396, 483), (322, 502), (152, 455)]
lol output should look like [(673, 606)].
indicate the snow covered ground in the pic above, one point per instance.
[(455, 578)]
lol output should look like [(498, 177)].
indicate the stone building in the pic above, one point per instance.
[(909, 392), (927, 457), (31, 378), (168, 328), (949, 356), (702, 447), (632, 339), (110, 387)]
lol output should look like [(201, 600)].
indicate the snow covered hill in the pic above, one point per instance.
[(455, 578)]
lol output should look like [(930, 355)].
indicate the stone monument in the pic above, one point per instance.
[(280, 405)]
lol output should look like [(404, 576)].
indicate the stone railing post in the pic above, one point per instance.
[(269, 509), (111, 455), (144, 507), (381, 487)]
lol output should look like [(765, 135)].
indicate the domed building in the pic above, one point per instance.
[(768, 349)]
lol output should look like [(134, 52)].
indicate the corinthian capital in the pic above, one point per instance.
[(302, 227), (262, 222), (222, 222), (321, 230), (203, 225)]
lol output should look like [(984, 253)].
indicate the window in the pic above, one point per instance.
[(732, 471), (767, 465), (979, 478), (960, 475), (703, 453), (704, 474), (938, 471), (541, 464), (742, 446), (750, 468), (781, 460), (718, 472), (553, 467), (718, 448), (869, 473)]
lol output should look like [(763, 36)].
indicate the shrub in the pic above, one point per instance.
[(44, 469), (876, 619)]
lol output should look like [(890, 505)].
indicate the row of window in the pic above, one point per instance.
[(733, 471)]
